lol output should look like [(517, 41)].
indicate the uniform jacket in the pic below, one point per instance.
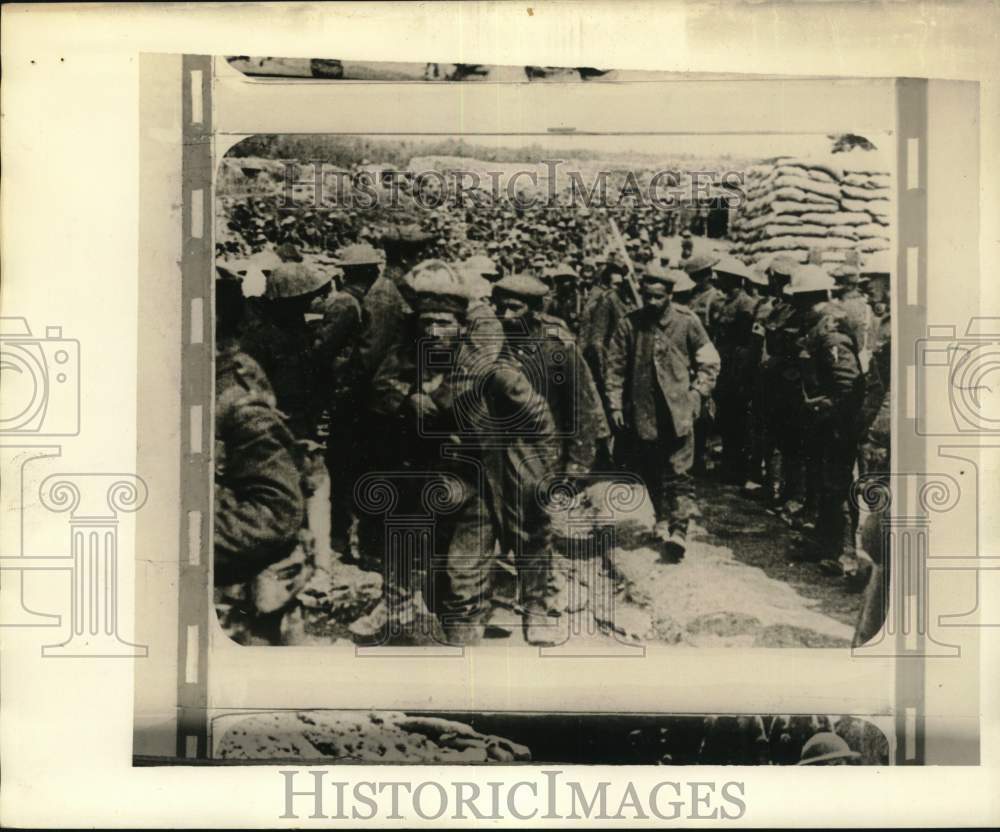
[(734, 341), (258, 498), (706, 302), (548, 356), (386, 313), (684, 360), (604, 311), (468, 426), (831, 368)]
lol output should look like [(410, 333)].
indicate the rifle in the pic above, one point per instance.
[(630, 274)]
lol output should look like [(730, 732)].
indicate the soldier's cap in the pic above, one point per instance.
[(879, 262), (823, 747), (668, 277), (564, 270), (358, 254), (686, 234), (522, 286), (700, 261), (436, 287), (293, 280), (844, 274), (809, 278), (732, 266)]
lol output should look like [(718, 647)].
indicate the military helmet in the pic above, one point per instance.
[(731, 266), (700, 262), (358, 254), (823, 747), (293, 280), (809, 278), (782, 265)]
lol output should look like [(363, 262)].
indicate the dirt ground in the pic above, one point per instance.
[(739, 583)]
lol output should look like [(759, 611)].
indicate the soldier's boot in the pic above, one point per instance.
[(545, 624)]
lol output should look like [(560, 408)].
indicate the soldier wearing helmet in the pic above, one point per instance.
[(661, 368), (337, 341), (282, 341), (734, 340), (704, 300), (566, 297), (832, 392)]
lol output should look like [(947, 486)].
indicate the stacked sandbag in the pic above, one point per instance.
[(793, 206)]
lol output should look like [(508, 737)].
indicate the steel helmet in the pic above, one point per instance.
[(731, 266), (823, 747), (292, 280), (358, 254), (809, 278)]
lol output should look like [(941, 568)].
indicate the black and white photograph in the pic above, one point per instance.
[(552, 390)]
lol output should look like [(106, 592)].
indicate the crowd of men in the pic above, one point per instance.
[(480, 370)]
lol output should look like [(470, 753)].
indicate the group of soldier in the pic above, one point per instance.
[(479, 390)]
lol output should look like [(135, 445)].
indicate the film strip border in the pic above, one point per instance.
[(197, 362), (910, 293), (911, 300)]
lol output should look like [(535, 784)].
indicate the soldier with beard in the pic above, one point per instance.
[(661, 368), (454, 428)]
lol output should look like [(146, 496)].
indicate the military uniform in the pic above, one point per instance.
[(781, 406), (758, 421), (601, 317), (259, 562), (705, 301), (547, 354), (339, 336), (833, 389), (734, 340), (650, 367), (498, 475)]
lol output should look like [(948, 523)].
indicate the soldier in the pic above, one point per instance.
[(280, 340), (763, 306), (704, 300), (832, 391), (445, 424), (827, 749), (661, 368), (734, 340), (259, 563), (687, 246), (566, 300), (547, 353), (781, 396), (338, 339), (858, 316)]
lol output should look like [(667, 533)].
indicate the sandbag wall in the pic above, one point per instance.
[(794, 205)]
